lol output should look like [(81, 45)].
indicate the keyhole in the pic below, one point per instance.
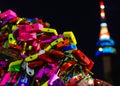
[(10, 38), (30, 73)]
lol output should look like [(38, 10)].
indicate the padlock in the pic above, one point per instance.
[(23, 80), (36, 27), (46, 41), (70, 47), (5, 21), (45, 57), (69, 35), (36, 45), (19, 20), (3, 64), (56, 53), (35, 64), (10, 54), (62, 44), (11, 39), (17, 47), (72, 83), (24, 48), (24, 36), (29, 70), (31, 57), (22, 28), (15, 66), (98, 82), (66, 66), (3, 28), (50, 31), (42, 72), (54, 37), (5, 79), (13, 20), (45, 84), (80, 56), (42, 37), (14, 28), (89, 67), (8, 13), (52, 79), (45, 24), (77, 77), (52, 44), (2, 73), (15, 78), (54, 70)]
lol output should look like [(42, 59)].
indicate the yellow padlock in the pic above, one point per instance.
[(69, 35), (31, 57), (50, 30)]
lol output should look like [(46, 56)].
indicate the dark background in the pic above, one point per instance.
[(81, 17)]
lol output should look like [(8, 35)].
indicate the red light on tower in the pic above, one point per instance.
[(102, 11), (102, 5)]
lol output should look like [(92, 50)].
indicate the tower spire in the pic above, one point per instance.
[(104, 33), (105, 44)]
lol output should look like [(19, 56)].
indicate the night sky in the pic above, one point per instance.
[(80, 17)]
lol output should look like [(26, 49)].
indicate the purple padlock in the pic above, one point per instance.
[(54, 37), (3, 64), (46, 41), (7, 20), (41, 72)]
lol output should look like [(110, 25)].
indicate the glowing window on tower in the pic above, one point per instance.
[(102, 14), (103, 24)]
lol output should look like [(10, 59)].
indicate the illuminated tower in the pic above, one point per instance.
[(105, 46)]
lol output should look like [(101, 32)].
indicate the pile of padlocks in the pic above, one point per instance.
[(33, 54)]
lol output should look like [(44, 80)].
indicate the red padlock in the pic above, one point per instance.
[(17, 47), (72, 83), (56, 53), (3, 37), (67, 66), (35, 64), (80, 56), (88, 63), (15, 19), (45, 57), (90, 66), (87, 68)]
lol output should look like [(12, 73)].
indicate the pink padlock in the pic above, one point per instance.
[(36, 45), (35, 28), (5, 79), (8, 13), (15, 77), (24, 36), (23, 28)]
